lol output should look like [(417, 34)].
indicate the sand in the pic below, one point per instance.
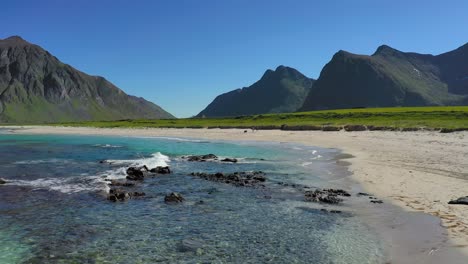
[(417, 171)]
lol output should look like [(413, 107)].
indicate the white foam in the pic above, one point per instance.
[(107, 146), (64, 185), (90, 183), (177, 139), (156, 159)]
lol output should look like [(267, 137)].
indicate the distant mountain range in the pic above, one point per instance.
[(278, 91), (387, 78), (36, 87), (391, 78)]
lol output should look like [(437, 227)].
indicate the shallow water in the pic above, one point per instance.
[(54, 208)]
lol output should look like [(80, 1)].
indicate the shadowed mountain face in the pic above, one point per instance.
[(279, 91), (36, 87), (391, 78)]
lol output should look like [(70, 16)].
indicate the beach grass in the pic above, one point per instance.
[(449, 117)]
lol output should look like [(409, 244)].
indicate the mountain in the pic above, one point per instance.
[(391, 78), (36, 87), (279, 91)]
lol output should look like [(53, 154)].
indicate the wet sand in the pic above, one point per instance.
[(418, 172)]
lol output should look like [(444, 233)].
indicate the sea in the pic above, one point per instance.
[(54, 206)]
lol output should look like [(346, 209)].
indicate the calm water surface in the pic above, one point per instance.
[(54, 208)]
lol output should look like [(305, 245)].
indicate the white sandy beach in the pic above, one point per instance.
[(418, 171)]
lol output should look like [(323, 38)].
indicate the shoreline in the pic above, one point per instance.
[(417, 171)]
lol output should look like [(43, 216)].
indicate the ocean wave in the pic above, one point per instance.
[(64, 185), (107, 146), (156, 159), (178, 139)]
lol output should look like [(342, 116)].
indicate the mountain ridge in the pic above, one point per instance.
[(390, 77), (35, 86), (279, 90)]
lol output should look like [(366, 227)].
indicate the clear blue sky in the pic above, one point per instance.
[(181, 54)]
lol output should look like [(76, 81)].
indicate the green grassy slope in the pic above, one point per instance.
[(408, 117)]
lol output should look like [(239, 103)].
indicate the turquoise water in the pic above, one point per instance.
[(54, 208)]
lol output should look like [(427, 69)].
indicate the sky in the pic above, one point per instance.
[(181, 54)]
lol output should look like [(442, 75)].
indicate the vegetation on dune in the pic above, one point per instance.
[(455, 117)]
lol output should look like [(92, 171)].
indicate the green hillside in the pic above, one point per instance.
[(36, 87)]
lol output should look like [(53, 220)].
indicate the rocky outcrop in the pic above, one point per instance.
[(328, 196), (240, 179), (461, 200), (174, 198), (2, 181), (116, 195), (161, 170), (201, 158)]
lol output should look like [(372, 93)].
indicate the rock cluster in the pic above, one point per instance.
[(241, 179), (174, 198), (139, 173), (208, 157), (122, 195), (328, 196), (133, 174)]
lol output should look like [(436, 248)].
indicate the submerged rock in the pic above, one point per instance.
[(2, 181), (329, 196), (121, 195), (201, 158), (376, 201), (461, 200), (161, 170), (188, 245), (174, 198), (242, 179), (232, 160), (118, 195), (121, 183), (363, 194)]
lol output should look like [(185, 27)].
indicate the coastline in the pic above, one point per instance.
[(417, 171)]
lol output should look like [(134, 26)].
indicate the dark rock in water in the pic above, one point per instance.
[(2, 181), (136, 173), (339, 192), (329, 196), (376, 201), (335, 211), (229, 160), (121, 183), (350, 128), (174, 198), (137, 194), (201, 158), (118, 195), (161, 170), (363, 194), (121, 195), (461, 200), (241, 179), (188, 245)]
